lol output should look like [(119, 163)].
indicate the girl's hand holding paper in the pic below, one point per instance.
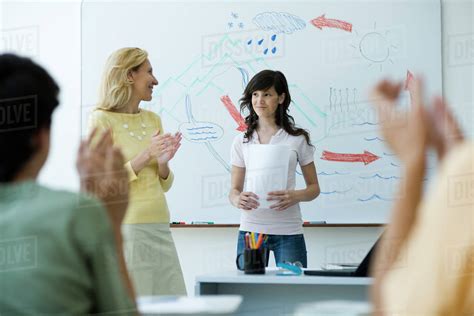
[(285, 199), (248, 201)]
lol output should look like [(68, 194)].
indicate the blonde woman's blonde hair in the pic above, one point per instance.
[(116, 89)]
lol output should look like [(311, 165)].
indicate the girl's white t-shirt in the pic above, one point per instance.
[(286, 222)]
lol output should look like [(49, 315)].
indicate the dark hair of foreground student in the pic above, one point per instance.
[(28, 97)]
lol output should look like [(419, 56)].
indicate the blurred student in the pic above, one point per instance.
[(151, 255), (267, 100), (424, 264), (60, 252)]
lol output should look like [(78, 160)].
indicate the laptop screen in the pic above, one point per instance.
[(363, 268)]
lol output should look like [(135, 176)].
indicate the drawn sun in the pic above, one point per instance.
[(375, 46)]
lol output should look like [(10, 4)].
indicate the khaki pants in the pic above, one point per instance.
[(152, 260)]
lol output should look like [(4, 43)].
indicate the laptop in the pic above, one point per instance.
[(360, 271)]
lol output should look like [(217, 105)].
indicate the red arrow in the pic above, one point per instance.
[(366, 157), (321, 22), (234, 113)]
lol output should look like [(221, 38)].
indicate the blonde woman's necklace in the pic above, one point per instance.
[(137, 133)]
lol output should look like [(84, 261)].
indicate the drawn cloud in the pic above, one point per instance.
[(279, 22)]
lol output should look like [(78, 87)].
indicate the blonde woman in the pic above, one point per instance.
[(150, 252)]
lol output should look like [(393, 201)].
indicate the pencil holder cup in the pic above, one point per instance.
[(254, 261)]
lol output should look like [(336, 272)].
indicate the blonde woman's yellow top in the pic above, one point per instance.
[(132, 133)]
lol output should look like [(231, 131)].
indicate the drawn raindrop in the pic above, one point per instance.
[(265, 51), (260, 42), (274, 37), (249, 42), (274, 49)]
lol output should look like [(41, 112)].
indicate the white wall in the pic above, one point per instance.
[(50, 32)]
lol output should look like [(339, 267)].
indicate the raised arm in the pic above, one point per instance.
[(407, 136), (102, 174)]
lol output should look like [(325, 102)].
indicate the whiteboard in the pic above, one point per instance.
[(331, 52)]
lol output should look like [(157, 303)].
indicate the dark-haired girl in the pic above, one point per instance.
[(267, 100)]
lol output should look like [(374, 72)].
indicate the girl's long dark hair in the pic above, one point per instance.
[(264, 80)]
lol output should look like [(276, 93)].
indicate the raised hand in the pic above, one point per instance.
[(406, 132), (102, 173), (445, 131)]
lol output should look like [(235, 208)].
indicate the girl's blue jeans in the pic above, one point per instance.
[(286, 248)]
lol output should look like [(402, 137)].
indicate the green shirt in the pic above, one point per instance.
[(57, 254)]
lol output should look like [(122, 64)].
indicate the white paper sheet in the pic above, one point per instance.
[(334, 308), (267, 171), (208, 304)]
